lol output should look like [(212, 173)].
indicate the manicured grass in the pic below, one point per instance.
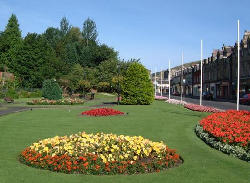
[(161, 121)]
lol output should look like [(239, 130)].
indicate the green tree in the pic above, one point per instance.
[(64, 26), (107, 70), (53, 36), (11, 43), (89, 31), (137, 88), (74, 77), (36, 61)]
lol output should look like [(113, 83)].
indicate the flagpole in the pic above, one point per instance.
[(181, 75), (161, 81), (169, 79), (201, 74), (155, 81), (238, 82)]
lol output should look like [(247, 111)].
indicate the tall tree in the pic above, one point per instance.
[(89, 31), (36, 61), (64, 26), (11, 42)]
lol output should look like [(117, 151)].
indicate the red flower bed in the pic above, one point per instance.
[(232, 127), (102, 112), (201, 108)]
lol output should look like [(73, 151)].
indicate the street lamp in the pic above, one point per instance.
[(118, 88)]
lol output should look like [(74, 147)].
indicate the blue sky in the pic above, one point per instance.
[(152, 30)]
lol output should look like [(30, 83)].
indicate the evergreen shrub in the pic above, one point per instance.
[(51, 90)]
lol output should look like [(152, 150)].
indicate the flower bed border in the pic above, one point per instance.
[(109, 168), (213, 142), (55, 102), (202, 108)]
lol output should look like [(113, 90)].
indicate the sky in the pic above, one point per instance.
[(152, 30)]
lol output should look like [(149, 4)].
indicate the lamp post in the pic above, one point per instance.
[(118, 88), (238, 72)]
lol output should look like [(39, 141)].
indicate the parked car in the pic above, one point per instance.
[(176, 94), (245, 99), (207, 96)]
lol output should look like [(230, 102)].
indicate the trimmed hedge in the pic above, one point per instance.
[(51, 90), (137, 88), (233, 150)]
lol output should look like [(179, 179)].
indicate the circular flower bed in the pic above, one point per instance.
[(227, 131), (201, 108), (102, 112), (67, 101), (100, 154)]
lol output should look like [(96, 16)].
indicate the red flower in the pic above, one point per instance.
[(102, 112), (231, 127), (85, 164)]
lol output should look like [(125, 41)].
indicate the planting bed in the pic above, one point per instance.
[(227, 131), (67, 101), (102, 112), (100, 154)]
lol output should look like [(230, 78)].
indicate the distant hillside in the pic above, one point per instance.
[(179, 67), (185, 65)]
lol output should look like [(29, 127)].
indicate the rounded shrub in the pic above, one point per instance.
[(137, 88), (51, 90)]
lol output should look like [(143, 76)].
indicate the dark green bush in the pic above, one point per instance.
[(137, 88), (51, 90)]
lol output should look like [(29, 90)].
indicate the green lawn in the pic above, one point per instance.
[(160, 121)]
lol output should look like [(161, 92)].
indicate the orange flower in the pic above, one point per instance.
[(85, 164)]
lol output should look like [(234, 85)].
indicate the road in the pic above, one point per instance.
[(217, 104)]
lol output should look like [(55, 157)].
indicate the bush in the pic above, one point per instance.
[(103, 87), (27, 94), (84, 86), (137, 87), (51, 90), (11, 93)]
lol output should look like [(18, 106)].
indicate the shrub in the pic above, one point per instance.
[(137, 87), (84, 86), (103, 87), (11, 93), (51, 90)]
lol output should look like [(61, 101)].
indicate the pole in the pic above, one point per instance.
[(181, 76), (169, 80), (201, 75), (238, 82), (155, 81), (161, 81)]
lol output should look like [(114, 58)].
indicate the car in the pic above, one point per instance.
[(245, 99), (207, 96)]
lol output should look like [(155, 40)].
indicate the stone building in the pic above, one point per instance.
[(219, 73)]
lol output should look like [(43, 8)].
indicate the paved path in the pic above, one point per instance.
[(9, 110), (216, 104)]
